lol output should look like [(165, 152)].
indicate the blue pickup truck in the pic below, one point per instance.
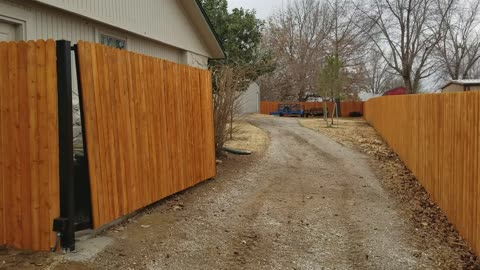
[(289, 109)]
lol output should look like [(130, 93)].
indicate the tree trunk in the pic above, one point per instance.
[(408, 84), (325, 110)]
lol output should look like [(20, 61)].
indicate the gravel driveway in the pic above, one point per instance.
[(306, 203)]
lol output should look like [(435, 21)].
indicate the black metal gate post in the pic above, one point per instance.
[(65, 224)]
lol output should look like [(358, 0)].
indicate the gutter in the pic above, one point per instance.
[(212, 30)]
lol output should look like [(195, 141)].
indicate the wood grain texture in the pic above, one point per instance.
[(437, 137), (267, 107), (149, 128), (29, 181)]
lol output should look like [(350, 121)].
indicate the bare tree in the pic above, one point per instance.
[(296, 34), (229, 81), (379, 76), (346, 40), (459, 49), (406, 32), (347, 44)]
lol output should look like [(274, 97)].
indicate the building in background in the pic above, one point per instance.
[(175, 30), (249, 101), (396, 91), (178, 31), (461, 86)]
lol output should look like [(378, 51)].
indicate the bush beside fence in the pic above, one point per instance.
[(437, 136)]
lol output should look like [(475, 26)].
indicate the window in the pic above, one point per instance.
[(113, 41)]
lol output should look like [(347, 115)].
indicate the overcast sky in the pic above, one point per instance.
[(264, 8)]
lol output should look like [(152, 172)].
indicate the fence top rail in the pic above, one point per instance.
[(138, 54), (27, 41), (421, 95)]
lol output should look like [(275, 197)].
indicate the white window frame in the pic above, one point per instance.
[(100, 32), (20, 33)]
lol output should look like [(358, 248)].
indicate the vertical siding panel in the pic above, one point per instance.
[(52, 131), (152, 97), (49, 22), (142, 132), (23, 147), (8, 147), (149, 104), (27, 159), (144, 151), (14, 192), (107, 98), (152, 18), (41, 60), (476, 169), (197, 134), (102, 86), (437, 137), (3, 139), (120, 118), (167, 162), (171, 133), (34, 134), (189, 127), (86, 72), (131, 133)]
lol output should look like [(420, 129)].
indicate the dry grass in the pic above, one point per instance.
[(343, 129), (247, 137)]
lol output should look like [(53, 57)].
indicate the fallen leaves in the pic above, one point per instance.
[(430, 223)]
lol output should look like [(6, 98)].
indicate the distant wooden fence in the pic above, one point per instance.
[(437, 136), (267, 107), (29, 181), (149, 128)]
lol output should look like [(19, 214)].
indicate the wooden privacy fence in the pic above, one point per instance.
[(149, 128), (437, 136), (29, 180), (267, 107)]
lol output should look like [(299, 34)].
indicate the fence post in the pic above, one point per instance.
[(65, 140)]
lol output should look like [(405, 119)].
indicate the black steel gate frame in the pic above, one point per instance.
[(65, 224)]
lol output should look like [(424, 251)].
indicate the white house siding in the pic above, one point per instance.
[(40, 22), (162, 20), (36, 21)]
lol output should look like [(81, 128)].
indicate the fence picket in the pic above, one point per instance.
[(152, 113), (3, 140), (29, 144), (437, 137)]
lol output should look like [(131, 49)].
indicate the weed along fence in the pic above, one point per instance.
[(437, 136), (148, 133), (347, 107), (149, 128)]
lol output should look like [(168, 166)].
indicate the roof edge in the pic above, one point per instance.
[(212, 29), (461, 82)]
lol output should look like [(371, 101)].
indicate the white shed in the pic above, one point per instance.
[(461, 86), (249, 101)]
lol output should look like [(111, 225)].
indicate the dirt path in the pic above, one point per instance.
[(307, 203)]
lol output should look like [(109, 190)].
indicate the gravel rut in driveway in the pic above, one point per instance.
[(306, 203)]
